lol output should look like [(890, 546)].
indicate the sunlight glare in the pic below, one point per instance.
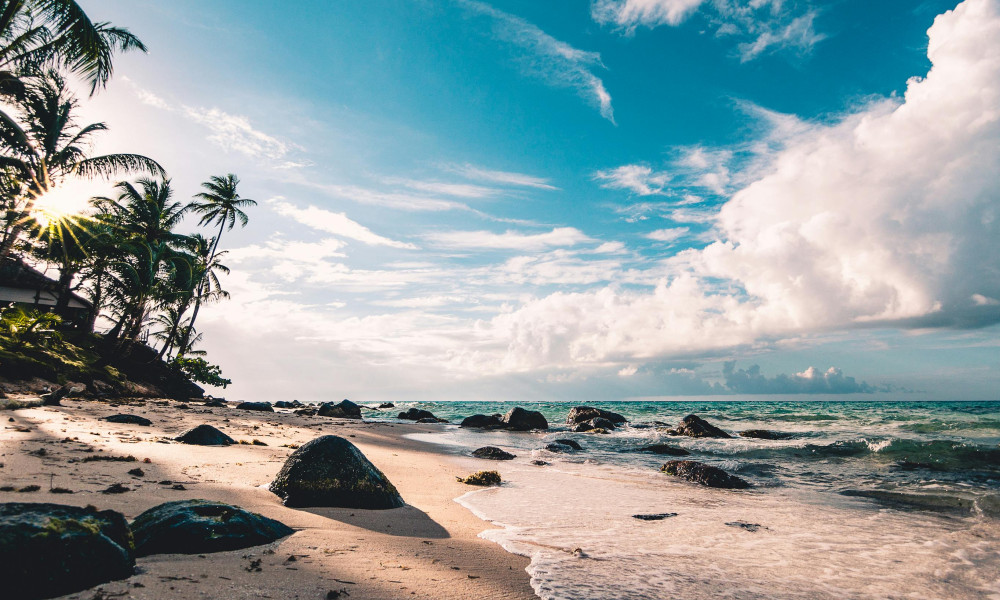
[(59, 203)]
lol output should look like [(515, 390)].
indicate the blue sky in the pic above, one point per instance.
[(585, 200)]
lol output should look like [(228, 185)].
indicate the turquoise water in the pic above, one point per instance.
[(865, 500)]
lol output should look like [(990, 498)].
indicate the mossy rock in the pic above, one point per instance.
[(49, 550), (199, 526), (483, 478), (331, 471)]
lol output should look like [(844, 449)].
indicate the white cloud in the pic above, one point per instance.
[(669, 235), (509, 240), (768, 25), (335, 223), (638, 179), (555, 62), (504, 177), (397, 200), (461, 190)]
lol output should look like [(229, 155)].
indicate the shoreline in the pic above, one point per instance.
[(430, 548)]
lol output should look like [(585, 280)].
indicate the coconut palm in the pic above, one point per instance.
[(40, 154)]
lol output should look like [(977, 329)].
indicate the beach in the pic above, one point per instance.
[(428, 549)]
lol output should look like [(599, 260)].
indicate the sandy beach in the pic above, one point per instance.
[(428, 549)]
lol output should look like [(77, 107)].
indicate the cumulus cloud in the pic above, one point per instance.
[(551, 60), (508, 240), (887, 216), (334, 223), (669, 235), (763, 25), (810, 381)]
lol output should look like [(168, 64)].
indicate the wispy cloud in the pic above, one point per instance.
[(763, 25), (638, 179), (669, 235), (509, 240), (503, 177), (334, 223), (551, 60)]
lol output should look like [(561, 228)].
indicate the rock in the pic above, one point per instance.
[(306, 412), (483, 478), (654, 517), (539, 463), (258, 406), (292, 404), (386, 405), (483, 422), (579, 414), (595, 423), (205, 435), (432, 420), (55, 397), (331, 471), (665, 449), (129, 420), (571, 443), (415, 414), (746, 526), (345, 409), (200, 526), (493, 453), (695, 426), (216, 403), (765, 434), (49, 550), (518, 419), (563, 445), (708, 475), (100, 388), (599, 430)]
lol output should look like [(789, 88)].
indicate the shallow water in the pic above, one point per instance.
[(867, 500)]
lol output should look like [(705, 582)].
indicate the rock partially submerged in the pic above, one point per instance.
[(200, 526), (563, 445), (49, 550), (483, 421), (930, 502), (695, 426), (654, 517), (707, 475), (594, 424), (581, 414), (493, 453), (258, 406), (766, 434), (483, 478), (345, 409), (416, 414), (129, 420), (331, 471), (518, 419), (664, 449), (205, 435)]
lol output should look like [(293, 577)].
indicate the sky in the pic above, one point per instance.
[(585, 200)]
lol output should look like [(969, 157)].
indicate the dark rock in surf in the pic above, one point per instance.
[(345, 409), (415, 414), (493, 453), (205, 435), (518, 419), (695, 426), (49, 550), (751, 527), (579, 414), (483, 422), (386, 405), (432, 420), (571, 443), (664, 449), (199, 526), (707, 475), (766, 434), (654, 517), (331, 471), (129, 420), (257, 406), (595, 423), (284, 404)]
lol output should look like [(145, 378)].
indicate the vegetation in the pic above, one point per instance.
[(483, 478), (125, 254)]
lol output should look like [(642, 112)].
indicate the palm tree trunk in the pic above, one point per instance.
[(201, 288)]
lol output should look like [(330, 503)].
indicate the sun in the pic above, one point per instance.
[(58, 204)]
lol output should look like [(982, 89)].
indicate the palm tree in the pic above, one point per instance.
[(39, 33), (48, 148), (220, 204)]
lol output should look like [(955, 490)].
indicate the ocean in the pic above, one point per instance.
[(864, 500)]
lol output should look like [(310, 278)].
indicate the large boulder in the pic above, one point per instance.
[(708, 475), (129, 420), (665, 449), (285, 404), (518, 419), (579, 414), (49, 550), (205, 435), (493, 453), (416, 414), (483, 422), (695, 426), (345, 409), (331, 471), (200, 526), (595, 423), (258, 406)]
